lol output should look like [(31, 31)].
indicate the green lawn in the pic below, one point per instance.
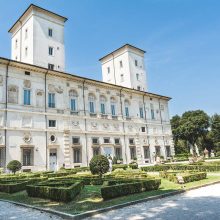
[(90, 197)]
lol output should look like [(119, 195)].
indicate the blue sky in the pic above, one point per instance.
[(181, 37)]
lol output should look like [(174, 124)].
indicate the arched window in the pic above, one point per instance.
[(91, 98), (113, 106), (13, 94), (73, 100), (102, 104), (127, 104)]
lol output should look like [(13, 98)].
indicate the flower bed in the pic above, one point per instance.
[(64, 191)]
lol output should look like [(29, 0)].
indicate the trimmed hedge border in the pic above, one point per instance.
[(59, 191), (207, 168), (14, 186), (187, 177), (135, 186)]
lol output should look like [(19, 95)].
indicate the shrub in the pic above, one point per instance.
[(99, 165), (133, 165), (14, 166), (119, 166)]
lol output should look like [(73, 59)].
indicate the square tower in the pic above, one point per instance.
[(38, 38), (125, 67)]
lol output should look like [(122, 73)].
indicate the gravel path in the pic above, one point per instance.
[(10, 211), (203, 203)]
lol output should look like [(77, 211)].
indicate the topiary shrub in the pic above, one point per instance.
[(99, 165), (14, 166)]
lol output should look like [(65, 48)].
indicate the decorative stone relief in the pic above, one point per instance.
[(105, 125), (1, 80), (53, 138), (51, 88), (39, 92), (116, 126), (156, 141), (27, 83), (94, 125), (130, 127), (27, 137), (75, 123), (59, 90)]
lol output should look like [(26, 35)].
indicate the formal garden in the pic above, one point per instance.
[(82, 189)]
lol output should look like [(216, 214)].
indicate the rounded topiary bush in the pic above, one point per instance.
[(99, 165), (14, 166)]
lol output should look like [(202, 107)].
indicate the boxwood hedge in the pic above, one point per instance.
[(134, 186), (64, 191)]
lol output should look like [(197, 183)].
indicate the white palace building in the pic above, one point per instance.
[(51, 119)]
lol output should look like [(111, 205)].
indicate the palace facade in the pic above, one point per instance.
[(51, 119)]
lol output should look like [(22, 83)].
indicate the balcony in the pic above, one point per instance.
[(74, 113), (104, 116), (114, 117), (93, 115)]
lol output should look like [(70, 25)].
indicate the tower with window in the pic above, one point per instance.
[(38, 38), (125, 67)]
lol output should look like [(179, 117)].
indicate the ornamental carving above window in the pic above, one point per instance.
[(27, 83), (27, 138)]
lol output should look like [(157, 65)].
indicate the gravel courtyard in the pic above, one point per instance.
[(203, 203), (10, 211)]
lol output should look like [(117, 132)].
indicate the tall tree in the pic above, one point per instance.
[(193, 125), (215, 130)]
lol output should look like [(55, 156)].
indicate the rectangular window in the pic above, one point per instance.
[(141, 112), (136, 63), (51, 100), (26, 51), (27, 97), (52, 123), (113, 110), (50, 32), (27, 157), (122, 77), (146, 153), (143, 129), (121, 64), (27, 73), (157, 148), (75, 140), (95, 140), (152, 111), (50, 66), (51, 51), (132, 153), (2, 157), (91, 107), (102, 108), (106, 140), (126, 112), (131, 141), (108, 70), (137, 76), (117, 140), (168, 151), (138, 88), (76, 155), (118, 152), (26, 33), (73, 104), (96, 151)]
